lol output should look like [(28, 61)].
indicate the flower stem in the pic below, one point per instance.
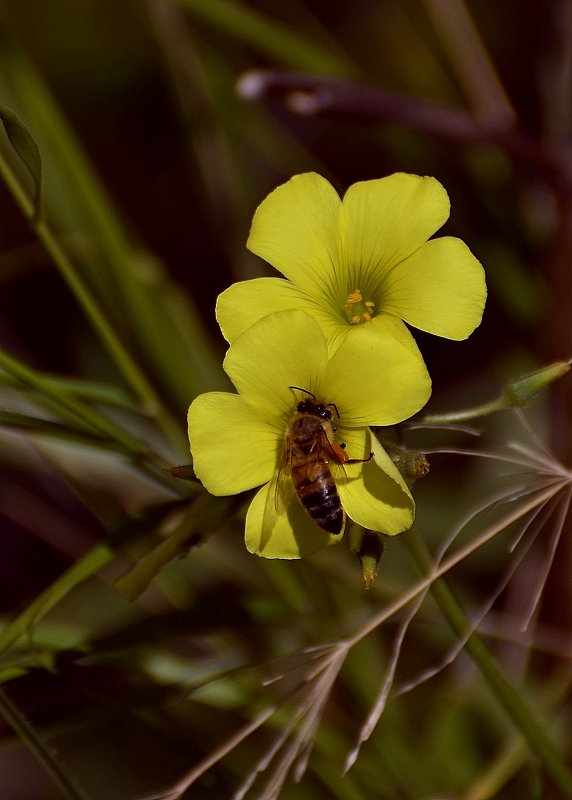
[(515, 394), (530, 728), (465, 414)]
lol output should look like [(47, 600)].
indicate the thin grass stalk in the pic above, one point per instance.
[(33, 742), (87, 566)]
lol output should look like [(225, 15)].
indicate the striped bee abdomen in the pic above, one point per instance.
[(318, 494)]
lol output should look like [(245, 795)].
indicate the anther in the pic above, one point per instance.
[(357, 310)]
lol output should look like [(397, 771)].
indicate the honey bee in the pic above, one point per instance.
[(309, 449)]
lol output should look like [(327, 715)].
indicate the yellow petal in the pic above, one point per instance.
[(289, 535), (439, 289), (233, 448), (281, 350), (378, 498), (296, 228), (385, 220), (374, 379), (244, 303)]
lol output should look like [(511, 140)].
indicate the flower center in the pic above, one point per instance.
[(357, 309)]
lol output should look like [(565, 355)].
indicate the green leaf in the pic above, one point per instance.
[(27, 150)]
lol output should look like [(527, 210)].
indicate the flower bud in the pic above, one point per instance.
[(520, 391), (368, 546), (412, 464)]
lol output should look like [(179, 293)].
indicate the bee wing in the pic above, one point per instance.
[(283, 490), (280, 491), (277, 499)]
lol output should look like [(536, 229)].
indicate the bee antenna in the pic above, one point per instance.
[(334, 406), (303, 390)]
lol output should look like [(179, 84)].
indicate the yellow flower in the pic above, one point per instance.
[(237, 440), (366, 261)]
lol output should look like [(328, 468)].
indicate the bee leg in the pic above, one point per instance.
[(359, 460)]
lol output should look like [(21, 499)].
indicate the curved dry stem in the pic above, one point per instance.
[(217, 755), (478, 618), (387, 684), (551, 552), (296, 739)]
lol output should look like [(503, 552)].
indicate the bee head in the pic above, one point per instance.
[(313, 407)]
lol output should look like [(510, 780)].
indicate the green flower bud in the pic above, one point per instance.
[(412, 464), (520, 391)]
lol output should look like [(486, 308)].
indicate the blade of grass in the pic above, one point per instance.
[(270, 37), (78, 410), (39, 427), (89, 565), (91, 391), (203, 517), (46, 427)]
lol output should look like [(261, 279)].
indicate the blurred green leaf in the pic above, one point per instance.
[(23, 143)]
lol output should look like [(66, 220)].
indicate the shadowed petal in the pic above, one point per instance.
[(379, 499), (289, 535), (439, 289), (233, 449)]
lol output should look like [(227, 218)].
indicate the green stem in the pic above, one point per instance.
[(530, 728), (128, 367), (516, 393), (465, 414)]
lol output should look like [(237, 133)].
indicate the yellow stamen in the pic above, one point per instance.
[(355, 297), (355, 303)]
